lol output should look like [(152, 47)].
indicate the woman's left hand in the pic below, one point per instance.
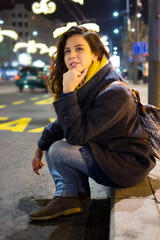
[(72, 78), (37, 162)]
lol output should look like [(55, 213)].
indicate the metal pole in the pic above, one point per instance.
[(127, 11), (126, 27), (135, 66), (154, 53)]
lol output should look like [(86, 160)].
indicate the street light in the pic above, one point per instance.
[(78, 1), (32, 46), (91, 26), (116, 14), (44, 6), (34, 33), (9, 33), (1, 22), (115, 52), (139, 15), (116, 30)]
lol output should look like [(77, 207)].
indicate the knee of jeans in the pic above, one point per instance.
[(55, 151)]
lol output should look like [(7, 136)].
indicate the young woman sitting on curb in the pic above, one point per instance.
[(97, 132)]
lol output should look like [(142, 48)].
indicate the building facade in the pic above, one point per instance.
[(29, 27)]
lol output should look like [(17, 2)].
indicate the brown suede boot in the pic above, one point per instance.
[(57, 207), (84, 197)]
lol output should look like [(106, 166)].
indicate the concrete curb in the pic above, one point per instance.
[(135, 211)]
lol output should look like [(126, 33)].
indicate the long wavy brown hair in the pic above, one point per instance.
[(58, 68)]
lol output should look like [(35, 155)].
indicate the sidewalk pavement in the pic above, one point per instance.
[(7, 87), (142, 88), (135, 212)]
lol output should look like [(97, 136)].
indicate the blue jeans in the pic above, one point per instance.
[(68, 169)]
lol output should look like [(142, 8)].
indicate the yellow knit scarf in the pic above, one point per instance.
[(95, 67)]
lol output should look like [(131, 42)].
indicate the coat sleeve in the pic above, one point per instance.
[(50, 134), (109, 108)]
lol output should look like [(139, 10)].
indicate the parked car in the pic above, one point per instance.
[(31, 77)]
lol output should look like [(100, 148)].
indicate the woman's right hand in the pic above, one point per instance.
[(37, 162), (72, 78)]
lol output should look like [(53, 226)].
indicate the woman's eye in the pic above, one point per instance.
[(66, 51), (79, 49)]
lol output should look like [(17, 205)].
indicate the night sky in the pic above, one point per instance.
[(99, 11)]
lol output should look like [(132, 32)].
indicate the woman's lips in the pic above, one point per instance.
[(74, 64)]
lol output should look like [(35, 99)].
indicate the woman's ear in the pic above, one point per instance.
[(94, 57)]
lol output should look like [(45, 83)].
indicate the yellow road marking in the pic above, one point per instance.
[(45, 101), (34, 98), (4, 118), (46, 95), (18, 102), (52, 119), (2, 106), (18, 125), (37, 130)]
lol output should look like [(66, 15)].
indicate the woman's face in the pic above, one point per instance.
[(77, 53)]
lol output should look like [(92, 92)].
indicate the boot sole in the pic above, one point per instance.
[(67, 212), (85, 201)]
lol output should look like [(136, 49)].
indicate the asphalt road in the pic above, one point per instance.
[(22, 119)]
